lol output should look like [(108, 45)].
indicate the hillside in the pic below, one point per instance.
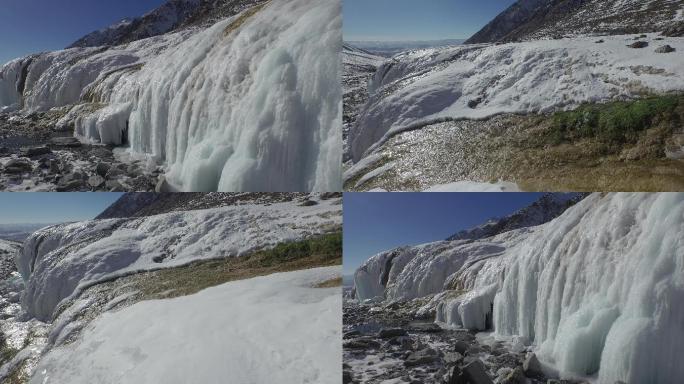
[(549, 19)]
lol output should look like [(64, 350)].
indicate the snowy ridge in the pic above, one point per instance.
[(283, 325), (543, 210), (225, 108), (59, 261), (595, 291), (478, 81)]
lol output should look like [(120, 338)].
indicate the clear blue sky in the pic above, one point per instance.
[(417, 19), (31, 26), (52, 208), (375, 222)]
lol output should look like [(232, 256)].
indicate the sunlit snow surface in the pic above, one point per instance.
[(253, 331), (422, 87), (598, 290), (252, 103), (59, 261)]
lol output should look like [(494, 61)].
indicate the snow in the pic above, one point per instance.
[(60, 261), (276, 324), (596, 291), (429, 86), (250, 103)]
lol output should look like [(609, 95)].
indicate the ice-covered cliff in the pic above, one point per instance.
[(596, 291), (62, 260), (252, 102), (479, 81)]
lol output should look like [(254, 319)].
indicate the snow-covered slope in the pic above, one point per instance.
[(543, 19), (595, 291), (548, 207), (59, 261), (282, 327), (252, 102), (479, 81)]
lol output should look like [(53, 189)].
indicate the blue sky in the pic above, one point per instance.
[(417, 19), (31, 26), (375, 222), (52, 208)]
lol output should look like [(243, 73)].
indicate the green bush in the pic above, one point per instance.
[(614, 123), (328, 246)]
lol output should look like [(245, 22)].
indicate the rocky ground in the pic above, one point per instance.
[(36, 157), (390, 345)]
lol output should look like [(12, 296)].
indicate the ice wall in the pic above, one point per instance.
[(251, 103), (599, 291), (58, 261)]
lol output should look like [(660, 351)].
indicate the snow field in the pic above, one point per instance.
[(240, 332)]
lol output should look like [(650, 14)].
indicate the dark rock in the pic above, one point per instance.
[(638, 44), (330, 195), (461, 347), (308, 203), (102, 169), (20, 165), (159, 259), (472, 104), (70, 186), (474, 350), (665, 49), (351, 334), (532, 366), (424, 356), (362, 344), (68, 142), (391, 332), (347, 377), (600, 41), (517, 376), (676, 30), (425, 327), (457, 376), (162, 185), (476, 373), (35, 151)]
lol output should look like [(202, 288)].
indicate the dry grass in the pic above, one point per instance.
[(240, 20), (332, 283)]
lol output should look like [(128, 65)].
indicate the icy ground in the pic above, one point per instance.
[(240, 332), (250, 103), (423, 87), (595, 292)]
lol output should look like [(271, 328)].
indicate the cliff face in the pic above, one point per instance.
[(548, 19)]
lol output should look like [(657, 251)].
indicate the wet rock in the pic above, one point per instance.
[(96, 181), (362, 343), (391, 332), (472, 104), (665, 49), (424, 356), (16, 166), (347, 377), (476, 373), (638, 44), (162, 185), (532, 366), (66, 142)]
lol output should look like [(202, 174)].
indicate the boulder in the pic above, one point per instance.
[(308, 203), (68, 142), (517, 376), (35, 151), (453, 357), (532, 366), (387, 333), (20, 165), (461, 347), (665, 49), (96, 181), (424, 356), (638, 44), (476, 373), (102, 169)]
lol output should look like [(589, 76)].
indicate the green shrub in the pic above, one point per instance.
[(615, 123)]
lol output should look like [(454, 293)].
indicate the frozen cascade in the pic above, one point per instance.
[(251, 103), (596, 291)]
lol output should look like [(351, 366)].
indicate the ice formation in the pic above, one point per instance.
[(250, 103), (596, 291), (283, 326), (423, 87), (59, 261)]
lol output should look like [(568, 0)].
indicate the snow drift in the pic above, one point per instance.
[(283, 326), (250, 103), (597, 291), (60, 261), (478, 81)]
